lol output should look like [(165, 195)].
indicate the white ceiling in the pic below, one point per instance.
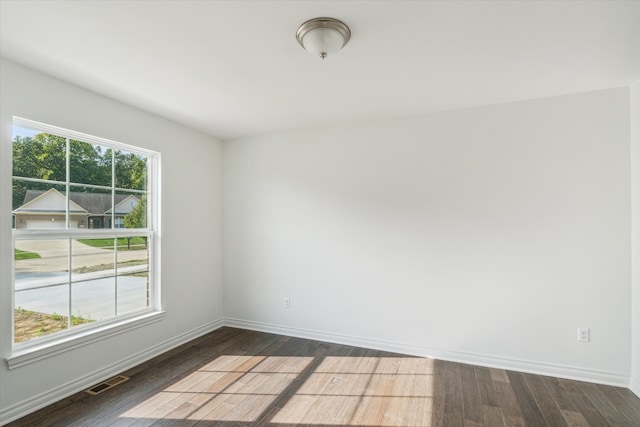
[(234, 68)]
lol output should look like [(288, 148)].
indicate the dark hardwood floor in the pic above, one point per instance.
[(233, 377)]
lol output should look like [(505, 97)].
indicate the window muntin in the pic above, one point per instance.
[(84, 232)]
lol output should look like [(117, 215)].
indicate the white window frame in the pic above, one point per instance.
[(42, 347)]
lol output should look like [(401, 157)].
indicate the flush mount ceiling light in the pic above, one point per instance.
[(323, 36)]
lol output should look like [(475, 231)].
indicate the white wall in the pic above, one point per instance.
[(486, 235), (635, 224), (191, 245)]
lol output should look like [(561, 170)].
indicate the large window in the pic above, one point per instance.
[(84, 233)]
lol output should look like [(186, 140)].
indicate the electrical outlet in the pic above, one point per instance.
[(287, 302), (584, 335)]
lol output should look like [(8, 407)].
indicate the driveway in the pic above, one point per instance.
[(93, 299)]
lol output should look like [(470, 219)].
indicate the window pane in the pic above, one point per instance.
[(38, 205), (95, 203), (39, 155), (133, 275), (131, 210), (131, 171), (93, 280), (92, 299), (89, 163), (41, 287)]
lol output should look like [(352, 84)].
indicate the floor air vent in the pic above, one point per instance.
[(106, 385)]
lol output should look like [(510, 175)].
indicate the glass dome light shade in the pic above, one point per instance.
[(323, 42), (323, 36)]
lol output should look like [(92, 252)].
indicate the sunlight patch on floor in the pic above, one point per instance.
[(231, 387), (337, 390), (364, 391)]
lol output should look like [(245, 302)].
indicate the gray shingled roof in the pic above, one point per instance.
[(94, 203)]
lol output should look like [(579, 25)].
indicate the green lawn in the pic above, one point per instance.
[(25, 255), (31, 324), (136, 243)]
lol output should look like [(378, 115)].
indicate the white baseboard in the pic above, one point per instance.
[(51, 396), (538, 368)]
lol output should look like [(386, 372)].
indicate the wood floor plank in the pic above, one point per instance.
[(374, 403), (499, 375), (512, 413), (453, 410), (530, 410), (492, 416), (575, 419), (575, 393), (400, 398), (488, 395), (471, 400), (233, 377), (438, 394), (562, 397), (547, 405), (420, 389)]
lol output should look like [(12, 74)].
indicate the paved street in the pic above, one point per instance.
[(42, 284), (53, 255)]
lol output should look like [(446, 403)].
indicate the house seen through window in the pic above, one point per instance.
[(84, 227)]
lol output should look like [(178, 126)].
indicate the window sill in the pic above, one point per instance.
[(31, 354)]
